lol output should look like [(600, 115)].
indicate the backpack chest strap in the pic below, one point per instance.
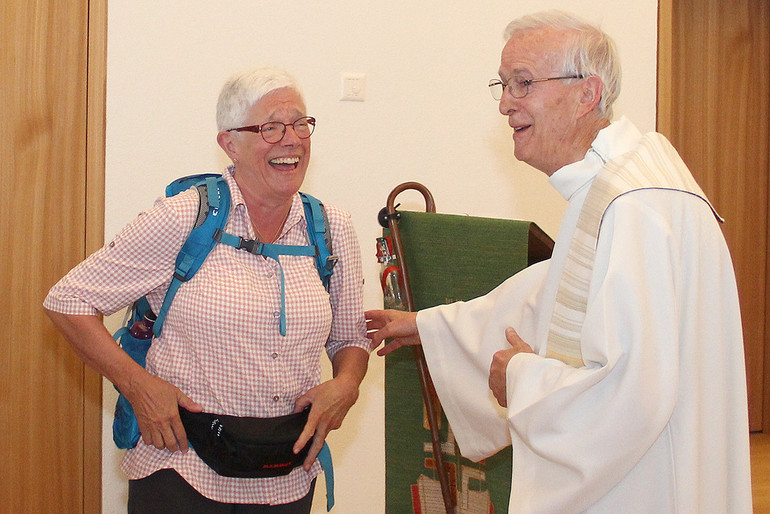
[(273, 251), (256, 247)]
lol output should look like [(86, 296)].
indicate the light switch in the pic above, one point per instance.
[(353, 87)]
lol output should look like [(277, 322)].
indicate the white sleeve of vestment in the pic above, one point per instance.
[(459, 340), (578, 432)]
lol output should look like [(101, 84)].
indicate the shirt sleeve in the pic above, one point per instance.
[(138, 261), (346, 287)]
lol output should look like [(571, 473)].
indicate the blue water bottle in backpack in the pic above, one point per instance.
[(135, 338)]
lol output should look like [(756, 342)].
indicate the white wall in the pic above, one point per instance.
[(427, 117)]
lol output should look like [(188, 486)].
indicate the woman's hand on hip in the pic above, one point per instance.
[(156, 406)]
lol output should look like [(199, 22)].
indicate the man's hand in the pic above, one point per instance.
[(500, 360), (400, 326), (156, 406)]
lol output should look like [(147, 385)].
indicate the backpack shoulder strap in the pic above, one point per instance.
[(320, 236), (214, 198)]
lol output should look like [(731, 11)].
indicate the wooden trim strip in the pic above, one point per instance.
[(665, 28), (94, 238)]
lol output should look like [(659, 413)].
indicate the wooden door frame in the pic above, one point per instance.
[(664, 124), (663, 112), (94, 238)]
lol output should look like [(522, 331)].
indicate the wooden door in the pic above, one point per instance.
[(50, 414), (713, 92)]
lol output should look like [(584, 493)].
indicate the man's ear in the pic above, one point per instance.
[(592, 89), (225, 140)]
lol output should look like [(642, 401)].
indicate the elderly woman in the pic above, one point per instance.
[(223, 349)]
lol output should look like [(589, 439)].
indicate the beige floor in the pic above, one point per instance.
[(760, 472)]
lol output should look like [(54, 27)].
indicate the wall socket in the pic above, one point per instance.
[(353, 87)]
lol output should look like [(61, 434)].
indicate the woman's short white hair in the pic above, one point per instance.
[(588, 52), (244, 89)]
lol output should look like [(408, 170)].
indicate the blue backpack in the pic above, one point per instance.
[(208, 231)]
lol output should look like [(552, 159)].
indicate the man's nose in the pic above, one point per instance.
[(507, 103)]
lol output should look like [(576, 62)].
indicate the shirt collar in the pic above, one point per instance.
[(611, 142), (296, 212), (235, 191)]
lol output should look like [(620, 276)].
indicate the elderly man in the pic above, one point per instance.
[(629, 393)]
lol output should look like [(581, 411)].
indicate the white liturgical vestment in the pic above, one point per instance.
[(656, 420)]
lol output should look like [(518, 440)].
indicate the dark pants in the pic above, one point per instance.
[(166, 492)]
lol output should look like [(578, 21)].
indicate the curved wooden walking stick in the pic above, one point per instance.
[(432, 405)]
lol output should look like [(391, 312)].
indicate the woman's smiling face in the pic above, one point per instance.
[(278, 168)]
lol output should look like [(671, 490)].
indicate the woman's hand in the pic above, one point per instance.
[(156, 406), (400, 326), (330, 401), (154, 400)]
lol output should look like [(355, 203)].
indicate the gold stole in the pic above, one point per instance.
[(654, 164)]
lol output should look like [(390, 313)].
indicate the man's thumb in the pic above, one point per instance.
[(511, 335)]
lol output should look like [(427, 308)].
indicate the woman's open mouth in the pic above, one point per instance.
[(285, 163)]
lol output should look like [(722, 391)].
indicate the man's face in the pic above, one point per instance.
[(544, 121)]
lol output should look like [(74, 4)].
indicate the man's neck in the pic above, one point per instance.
[(591, 130), (586, 136)]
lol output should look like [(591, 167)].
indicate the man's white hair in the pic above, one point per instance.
[(589, 51)]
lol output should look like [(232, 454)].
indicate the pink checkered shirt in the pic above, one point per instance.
[(220, 342)]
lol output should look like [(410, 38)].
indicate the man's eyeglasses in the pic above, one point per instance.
[(273, 131), (519, 87)]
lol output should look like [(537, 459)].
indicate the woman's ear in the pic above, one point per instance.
[(591, 93), (227, 143)]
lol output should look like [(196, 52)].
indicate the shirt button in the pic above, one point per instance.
[(276, 398), (274, 355), (276, 314)]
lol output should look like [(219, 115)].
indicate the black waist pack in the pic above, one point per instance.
[(245, 447)]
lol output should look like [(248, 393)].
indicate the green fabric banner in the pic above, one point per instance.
[(449, 258)]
